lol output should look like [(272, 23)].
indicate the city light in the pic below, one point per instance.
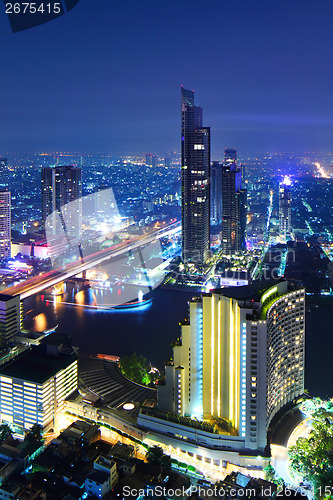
[(321, 171), (166, 255)]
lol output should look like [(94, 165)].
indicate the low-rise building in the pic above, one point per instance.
[(102, 478)]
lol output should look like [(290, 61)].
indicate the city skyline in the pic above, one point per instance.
[(162, 279), (270, 91)]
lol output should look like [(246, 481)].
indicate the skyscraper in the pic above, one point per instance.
[(240, 358), (285, 209), (234, 205), (230, 157), (151, 160), (5, 224), (62, 199), (9, 318), (216, 193), (3, 171), (195, 149)]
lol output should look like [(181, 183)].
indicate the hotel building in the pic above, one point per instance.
[(240, 358)]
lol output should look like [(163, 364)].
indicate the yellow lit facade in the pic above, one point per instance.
[(233, 361), (221, 354)]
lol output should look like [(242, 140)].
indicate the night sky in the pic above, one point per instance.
[(106, 76)]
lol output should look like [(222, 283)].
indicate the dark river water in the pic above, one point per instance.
[(150, 329)]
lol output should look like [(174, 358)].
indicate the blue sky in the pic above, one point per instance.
[(106, 76)]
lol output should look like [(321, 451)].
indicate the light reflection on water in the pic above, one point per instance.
[(40, 323), (85, 297)]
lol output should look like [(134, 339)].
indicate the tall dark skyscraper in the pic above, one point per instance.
[(5, 224), (3, 171), (230, 157), (234, 205), (62, 186), (285, 209), (195, 147), (216, 193)]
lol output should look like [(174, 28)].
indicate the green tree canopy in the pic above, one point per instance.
[(312, 458), (269, 473), (35, 433), (136, 368), (5, 432), (156, 456)]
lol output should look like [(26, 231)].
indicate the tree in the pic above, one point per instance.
[(5, 432), (156, 456), (272, 477), (270, 473), (35, 433), (136, 368), (312, 458)]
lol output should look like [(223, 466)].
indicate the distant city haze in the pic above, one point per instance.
[(106, 76)]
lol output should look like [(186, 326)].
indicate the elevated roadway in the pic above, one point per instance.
[(39, 283)]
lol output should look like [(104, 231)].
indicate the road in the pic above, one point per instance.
[(39, 283), (280, 457)]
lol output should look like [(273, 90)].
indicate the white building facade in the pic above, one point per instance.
[(32, 399)]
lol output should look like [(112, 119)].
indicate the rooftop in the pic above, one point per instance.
[(247, 292), (36, 366), (5, 298), (98, 477), (104, 379)]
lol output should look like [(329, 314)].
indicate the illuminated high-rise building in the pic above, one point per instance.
[(230, 157), (167, 162), (62, 199), (195, 149), (243, 170), (216, 193), (34, 386), (3, 171), (285, 209), (234, 205), (240, 358), (151, 160), (5, 224)]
